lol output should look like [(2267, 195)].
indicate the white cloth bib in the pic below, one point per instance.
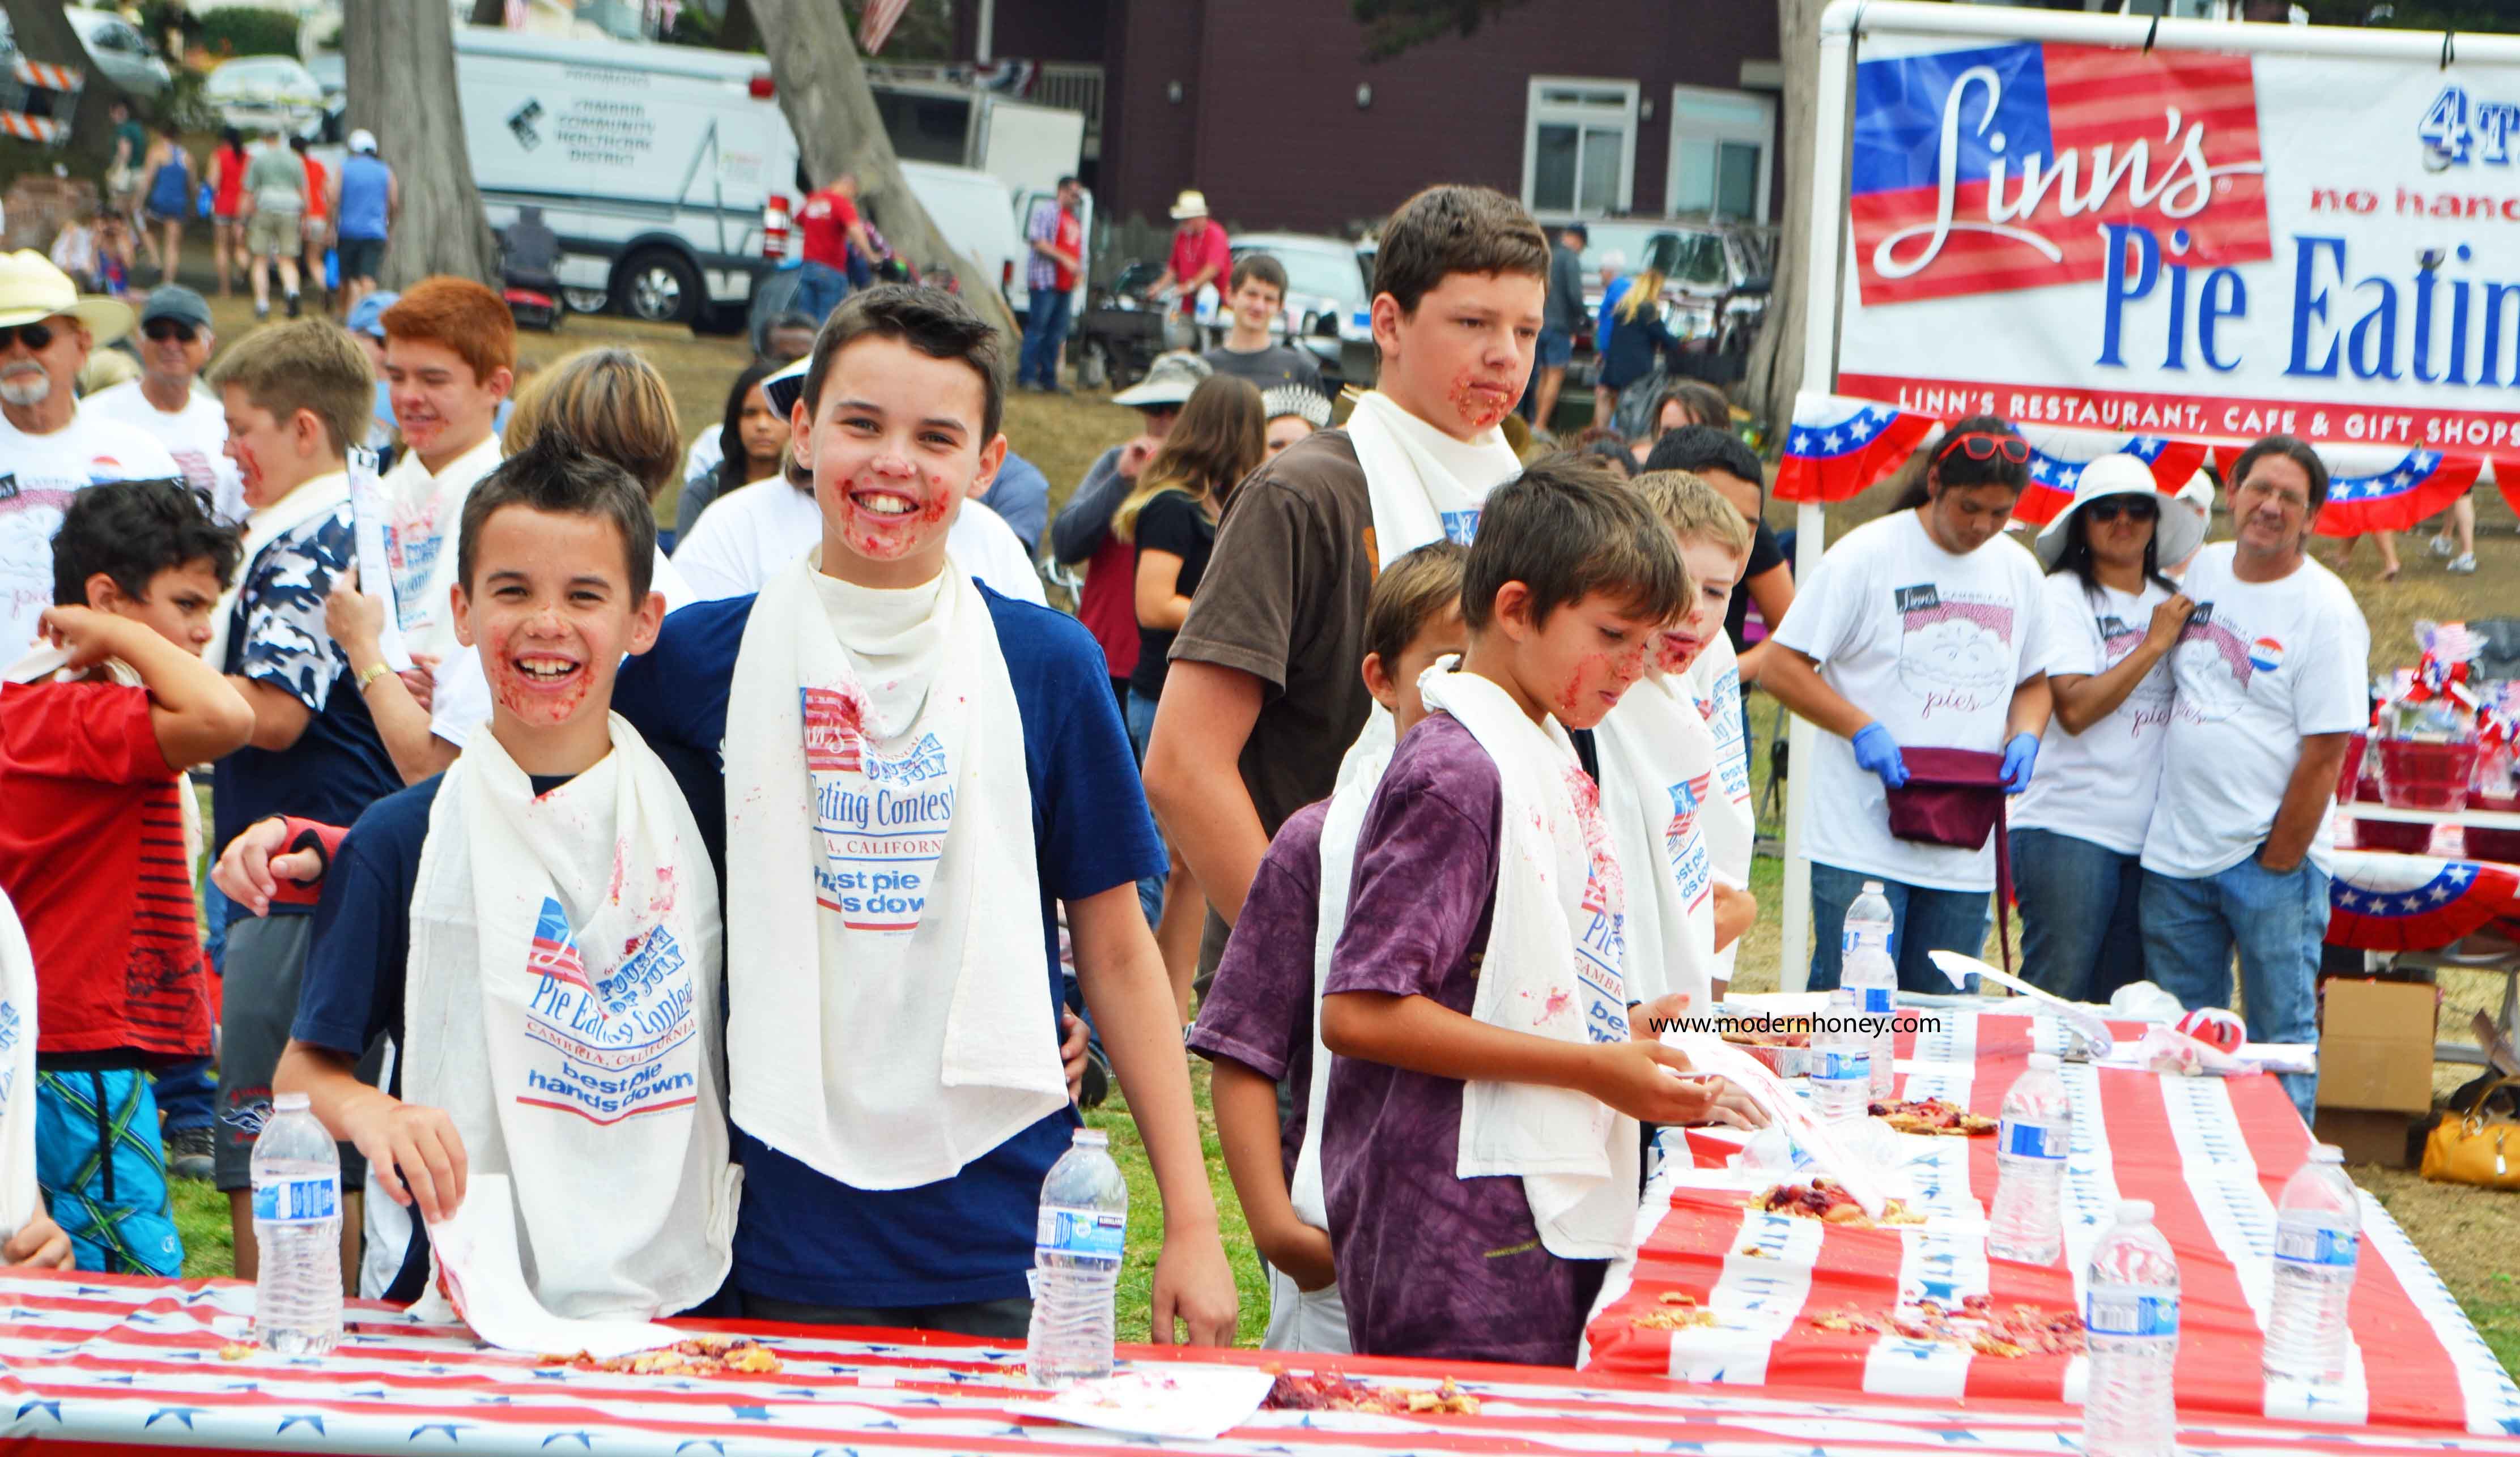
[(1422, 484), (1550, 968), (560, 1005), (890, 1017), (1359, 774), (1658, 784), (1731, 821), (20, 1198)]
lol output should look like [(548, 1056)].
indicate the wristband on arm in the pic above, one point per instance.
[(306, 834)]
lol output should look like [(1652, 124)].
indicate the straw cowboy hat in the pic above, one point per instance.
[(32, 290), (2177, 534), (1189, 204)]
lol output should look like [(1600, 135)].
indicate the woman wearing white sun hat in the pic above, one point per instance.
[(2112, 616)]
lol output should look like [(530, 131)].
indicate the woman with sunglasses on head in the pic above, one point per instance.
[(1920, 630), (2112, 616)]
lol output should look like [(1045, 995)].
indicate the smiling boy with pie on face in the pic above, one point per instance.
[(897, 757)]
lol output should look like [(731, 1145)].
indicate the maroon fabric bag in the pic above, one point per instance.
[(1955, 797)]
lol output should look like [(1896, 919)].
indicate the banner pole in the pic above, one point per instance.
[(1822, 273)]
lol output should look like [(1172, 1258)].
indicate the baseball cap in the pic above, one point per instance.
[(364, 140), (369, 317), (1169, 381), (177, 302)]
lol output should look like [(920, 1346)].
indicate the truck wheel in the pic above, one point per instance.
[(660, 285), (585, 300), (1093, 365)]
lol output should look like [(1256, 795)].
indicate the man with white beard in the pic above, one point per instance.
[(48, 449)]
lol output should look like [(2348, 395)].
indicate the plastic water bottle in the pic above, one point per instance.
[(1867, 921), (296, 1175), (1841, 1064), (2026, 1223), (1076, 1254), (2318, 1225), (1874, 978), (2130, 1330)]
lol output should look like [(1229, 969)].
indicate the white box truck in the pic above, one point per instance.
[(669, 172)]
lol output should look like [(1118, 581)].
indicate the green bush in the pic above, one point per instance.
[(238, 31)]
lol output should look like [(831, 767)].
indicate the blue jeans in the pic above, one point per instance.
[(2277, 924), (1921, 920), (1044, 333), (820, 287), (186, 1095), (2079, 934), (1139, 716)]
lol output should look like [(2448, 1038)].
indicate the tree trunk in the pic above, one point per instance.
[(1776, 367), (736, 30), (401, 57), (44, 34), (823, 90)]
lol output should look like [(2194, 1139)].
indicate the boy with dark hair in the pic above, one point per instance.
[(98, 834), (1263, 696), (1258, 1024), (1480, 1141), (297, 395), (537, 929), (919, 756), (1255, 293)]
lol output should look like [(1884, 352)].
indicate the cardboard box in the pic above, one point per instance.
[(2375, 1046), (2369, 1136)]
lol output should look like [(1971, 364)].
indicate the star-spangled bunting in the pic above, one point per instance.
[(2383, 902), (1839, 448), (2395, 498), (2054, 477)]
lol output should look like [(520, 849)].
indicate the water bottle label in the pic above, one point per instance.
[(1080, 1234), (296, 1200), (2032, 1140), (2130, 1312), (1831, 1066), (1874, 1001), (2315, 1244)]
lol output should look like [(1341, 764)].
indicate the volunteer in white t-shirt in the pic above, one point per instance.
[(163, 404), (1920, 630), (2271, 682), (50, 449), (2111, 618)]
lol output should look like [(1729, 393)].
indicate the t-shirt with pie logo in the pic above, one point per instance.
[(1930, 645), (2262, 666), (38, 476), (2100, 784)]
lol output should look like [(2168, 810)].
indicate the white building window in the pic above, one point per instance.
[(1579, 146), (1721, 151)]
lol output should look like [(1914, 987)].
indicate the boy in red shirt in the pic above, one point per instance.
[(834, 243), (97, 844)]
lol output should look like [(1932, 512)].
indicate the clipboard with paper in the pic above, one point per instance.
[(371, 527)]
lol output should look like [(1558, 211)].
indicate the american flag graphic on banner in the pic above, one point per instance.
[(1996, 167)]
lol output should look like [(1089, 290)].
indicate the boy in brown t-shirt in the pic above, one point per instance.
[(1264, 697)]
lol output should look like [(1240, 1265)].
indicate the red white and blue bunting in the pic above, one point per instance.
[(2382, 901), (1839, 447)]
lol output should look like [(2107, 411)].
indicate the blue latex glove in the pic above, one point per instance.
[(2020, 758), (1878, 753)]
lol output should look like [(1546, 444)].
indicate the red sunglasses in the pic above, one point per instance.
[(1984, 445)]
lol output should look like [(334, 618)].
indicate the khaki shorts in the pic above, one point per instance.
[(272, 234)]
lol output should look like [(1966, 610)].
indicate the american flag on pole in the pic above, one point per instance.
[(1991, 168), (874, 28)]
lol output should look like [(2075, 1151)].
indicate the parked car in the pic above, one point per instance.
[(1329, 304), (265, 92), (119, 50), (1716, 278)]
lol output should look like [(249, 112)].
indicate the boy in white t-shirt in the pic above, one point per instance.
[(1921, 629), (450, 359), (2270, 677)]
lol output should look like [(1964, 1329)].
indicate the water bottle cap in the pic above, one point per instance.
[(288, 1102), (1091, 1138), (1872, 887), (2134, 1211), (2327, 1153), (2043, 1062)]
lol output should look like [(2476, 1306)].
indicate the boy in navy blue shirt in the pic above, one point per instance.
[(297, 396), (903, 735)]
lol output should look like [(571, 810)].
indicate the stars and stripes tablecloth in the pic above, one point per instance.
[(2212, 1154), (126, 1364)]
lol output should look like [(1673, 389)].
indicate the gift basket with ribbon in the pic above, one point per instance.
[(2422, 752)]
